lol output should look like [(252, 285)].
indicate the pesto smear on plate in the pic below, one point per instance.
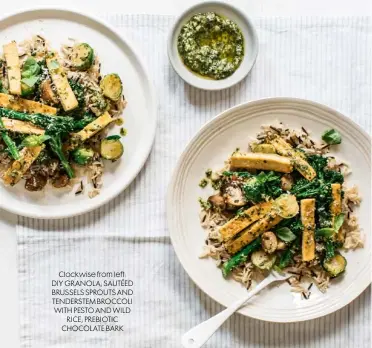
[(211, 45)]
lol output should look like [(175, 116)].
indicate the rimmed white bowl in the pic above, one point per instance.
[(209, 148), (250, 45), (116, 55)]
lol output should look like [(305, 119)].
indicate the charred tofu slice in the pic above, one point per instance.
[(20, 167), (13, 67), (263, 161), (23, 105), (237, 224), (253, 231), (299, 161), (336, 207), (304, 168), (308, 234), (17, 126), (59, 78), (263, 148), (92, 128)]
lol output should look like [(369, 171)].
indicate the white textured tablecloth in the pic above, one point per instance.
[(326, 60)]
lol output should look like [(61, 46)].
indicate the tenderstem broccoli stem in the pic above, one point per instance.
[(56, 146), (12, 147), (52, 124), (241, 257)]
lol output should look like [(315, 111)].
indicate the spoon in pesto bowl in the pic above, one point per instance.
[(212, 45)]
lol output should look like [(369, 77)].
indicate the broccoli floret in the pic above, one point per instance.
[(35, 140), (265, 184), (330, 248), (78, 90), (333, 177), (319, 163), (82, 155)]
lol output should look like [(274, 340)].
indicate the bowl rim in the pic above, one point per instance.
[(215, 85)]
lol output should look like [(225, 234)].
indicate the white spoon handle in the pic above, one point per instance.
[(198, 335)]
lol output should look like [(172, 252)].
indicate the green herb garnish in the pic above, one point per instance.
[(331, 137), (203, 183), (285, 234), (204, 204)]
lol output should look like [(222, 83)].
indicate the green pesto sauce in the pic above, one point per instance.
[(211, 45), (204, 204), (123, 132), (203, 183)]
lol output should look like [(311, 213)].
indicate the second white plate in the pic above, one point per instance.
[(116, 55), (211, 146)]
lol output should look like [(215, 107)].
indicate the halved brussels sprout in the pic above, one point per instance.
[(82, 56), (286, 206), (112, 87), (111, 148), (335, 265), (262, 260)]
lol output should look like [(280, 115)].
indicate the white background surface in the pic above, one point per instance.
[(8, 271)]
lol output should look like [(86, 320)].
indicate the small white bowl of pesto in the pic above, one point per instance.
[(212, 45)]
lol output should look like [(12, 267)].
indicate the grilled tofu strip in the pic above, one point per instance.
[(23, 105), (17, 126), (263, 148), (94, 127), (336, 200), (253, 231), (308, 234), (336, 207), (263, 161), (305, 169), (13, 67), (59, 78), (19, 167), (237, 224), (285, 149)]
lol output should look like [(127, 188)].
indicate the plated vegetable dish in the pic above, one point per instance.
[(282, 205), (55, 111)]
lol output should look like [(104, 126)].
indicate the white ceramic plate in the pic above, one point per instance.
[(116, 55), (250, 45), (209, 148)]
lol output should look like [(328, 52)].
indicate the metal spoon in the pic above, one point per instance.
[(200, 334)]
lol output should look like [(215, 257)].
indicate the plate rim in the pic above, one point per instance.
[(170, 204), (151, 90)]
